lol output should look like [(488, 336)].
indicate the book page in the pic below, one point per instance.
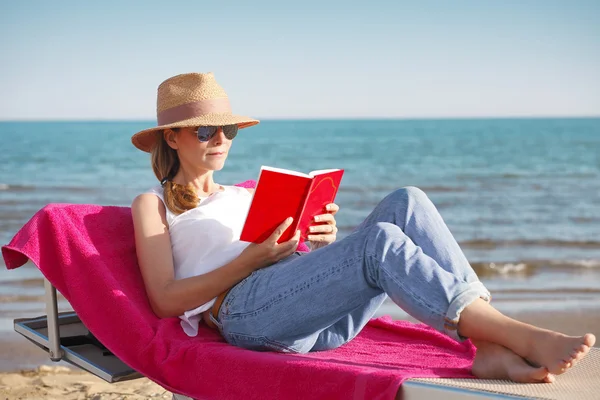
[(322, 191), (321, 171), (285, 171)]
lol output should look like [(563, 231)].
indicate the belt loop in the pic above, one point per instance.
[(214, 320)]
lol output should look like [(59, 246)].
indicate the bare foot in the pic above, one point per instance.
[(558, 352), (493, 361)]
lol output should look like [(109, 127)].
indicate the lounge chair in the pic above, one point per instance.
[(104, 287), (66, 338)]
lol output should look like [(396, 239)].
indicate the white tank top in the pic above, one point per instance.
[(206, 238)]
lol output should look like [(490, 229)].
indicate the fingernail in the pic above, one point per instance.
[(317, 219), (328, 207), (312, 228), (289, 219)]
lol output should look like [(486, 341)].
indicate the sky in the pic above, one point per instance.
[(103, 60)]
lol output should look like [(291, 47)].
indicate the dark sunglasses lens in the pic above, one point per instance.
[(206, 132), (230, 131)]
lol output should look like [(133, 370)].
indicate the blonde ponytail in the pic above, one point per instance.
[(165, 164)]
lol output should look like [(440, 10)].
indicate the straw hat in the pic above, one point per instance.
[(193, 99)]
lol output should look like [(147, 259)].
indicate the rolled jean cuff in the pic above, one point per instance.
[(475, 291)]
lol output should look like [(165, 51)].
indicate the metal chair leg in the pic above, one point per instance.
[(56, 353)]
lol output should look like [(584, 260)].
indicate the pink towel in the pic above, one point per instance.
[(88, 253)]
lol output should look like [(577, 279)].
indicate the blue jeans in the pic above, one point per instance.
[(322, 299)]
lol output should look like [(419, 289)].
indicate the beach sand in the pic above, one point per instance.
[(20, 380)]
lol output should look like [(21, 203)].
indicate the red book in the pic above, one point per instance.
[(282, 193)]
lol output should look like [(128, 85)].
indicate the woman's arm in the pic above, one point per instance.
[(169, 297)]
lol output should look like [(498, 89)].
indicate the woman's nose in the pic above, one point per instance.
[(219, 135)]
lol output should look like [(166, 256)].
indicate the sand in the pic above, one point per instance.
[(60, 381)]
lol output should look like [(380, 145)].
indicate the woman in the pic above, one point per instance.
[(269, 296)]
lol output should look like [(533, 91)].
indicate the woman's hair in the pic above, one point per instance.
[(165, 163)]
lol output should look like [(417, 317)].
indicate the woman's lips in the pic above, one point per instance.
[(216, 154)]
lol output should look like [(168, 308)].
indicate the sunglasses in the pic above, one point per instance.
[(205, 133)]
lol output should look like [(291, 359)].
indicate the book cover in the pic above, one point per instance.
[(281, 193)]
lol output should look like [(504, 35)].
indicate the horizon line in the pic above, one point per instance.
[(307, 119)]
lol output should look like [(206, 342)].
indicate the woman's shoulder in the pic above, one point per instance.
[(151, 195), (148, 202)]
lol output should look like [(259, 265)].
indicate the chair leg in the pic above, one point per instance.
[(181, 397), (54, 349)]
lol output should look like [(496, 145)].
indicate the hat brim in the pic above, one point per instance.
[(146, 140)]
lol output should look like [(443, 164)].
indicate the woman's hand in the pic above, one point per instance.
[(261, 255), (324, 230)]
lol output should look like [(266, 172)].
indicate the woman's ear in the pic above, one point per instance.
[(171, 138)]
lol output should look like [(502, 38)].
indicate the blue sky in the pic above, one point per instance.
[(309, 59)]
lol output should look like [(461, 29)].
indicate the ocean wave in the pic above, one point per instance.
[(561, 290), (585, 220), (588, 263), (23, 283), (16, 188), (531, 267), (442, 189), (33, 188), (527, 175), (493, 244), (492, 268), (390, 189)]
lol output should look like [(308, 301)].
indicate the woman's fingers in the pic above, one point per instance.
[(280, 229), (332, 208), (323, 229), (329, 218), (286, 248), (322, 238)]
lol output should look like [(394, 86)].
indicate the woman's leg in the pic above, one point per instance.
[(415, 214), (549, 349), (291, 303), (412, 210), (335, 285)]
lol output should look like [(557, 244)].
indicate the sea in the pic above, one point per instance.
[(521, 196)]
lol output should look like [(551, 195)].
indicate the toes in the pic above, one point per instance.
[(589, 340), (579, 352), (549, 378), (560, 368), (538, 374), (574, 355)]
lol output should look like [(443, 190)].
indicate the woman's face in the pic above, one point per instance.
[(210, 155)]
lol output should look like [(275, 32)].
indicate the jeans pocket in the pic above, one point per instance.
[(233, 292)]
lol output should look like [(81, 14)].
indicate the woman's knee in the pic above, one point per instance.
[(408, 198), (410, 194)]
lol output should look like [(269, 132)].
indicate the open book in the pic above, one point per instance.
[(282, 193)]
